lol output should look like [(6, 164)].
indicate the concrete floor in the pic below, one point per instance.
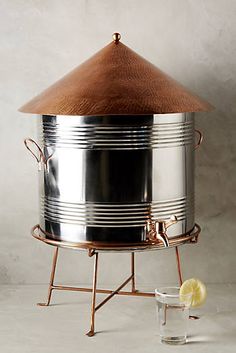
[(123, 325)]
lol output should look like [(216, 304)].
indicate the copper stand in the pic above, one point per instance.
[(111, 293)]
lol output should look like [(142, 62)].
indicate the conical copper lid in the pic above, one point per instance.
[(115, 81)]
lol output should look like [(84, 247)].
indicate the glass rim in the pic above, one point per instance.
[(159, 292)]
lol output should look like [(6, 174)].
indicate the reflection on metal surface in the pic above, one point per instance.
[(117, 137), (157, 229), (190, 237), (107, 175), (112, 215)]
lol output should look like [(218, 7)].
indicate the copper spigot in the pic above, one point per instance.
[(157, 229)]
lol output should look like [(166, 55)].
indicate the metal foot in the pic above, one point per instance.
[(93, 304), (194, 317), (43, 304), (90, 333), (54, 263)]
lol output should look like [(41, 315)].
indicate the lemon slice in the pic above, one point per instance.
[(198, 290)]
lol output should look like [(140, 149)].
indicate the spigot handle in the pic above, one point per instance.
[(173, 219)]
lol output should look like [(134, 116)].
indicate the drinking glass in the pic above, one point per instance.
[(173, 314)]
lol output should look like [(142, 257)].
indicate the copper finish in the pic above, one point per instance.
[(191, 317), (114, 292), (93, 308), (199, 140), (145, 245), (103, 291), (91, 252), (41, 159), (115, 81), (156, 230), (111, 293), (116, 37), (51, 286), (94, 289), (133, 289), (194, 317), (178, 266)]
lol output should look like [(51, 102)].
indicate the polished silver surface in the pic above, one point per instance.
[(106, 174)]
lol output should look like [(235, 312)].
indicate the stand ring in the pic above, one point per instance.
[(190, 237)]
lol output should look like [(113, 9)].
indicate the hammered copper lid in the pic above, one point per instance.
[(115, 81)]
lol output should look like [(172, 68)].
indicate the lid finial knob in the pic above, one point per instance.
[(116, 37)]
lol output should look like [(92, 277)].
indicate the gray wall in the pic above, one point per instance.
[(195, 42)]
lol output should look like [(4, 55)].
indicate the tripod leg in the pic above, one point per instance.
[(179, 266), (133, 288), (192, 317), (93, 304), (50, 288)]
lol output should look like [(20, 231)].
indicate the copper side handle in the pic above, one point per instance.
[(40, 158), (200, 139)]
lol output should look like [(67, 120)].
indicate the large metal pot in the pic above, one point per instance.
[(104, 177)]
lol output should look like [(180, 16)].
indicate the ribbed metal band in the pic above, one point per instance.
[(117, 137), (114, 215)]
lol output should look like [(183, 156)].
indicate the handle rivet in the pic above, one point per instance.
[(116, 37)]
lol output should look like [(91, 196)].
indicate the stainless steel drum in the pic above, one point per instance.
[(103, 177)]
